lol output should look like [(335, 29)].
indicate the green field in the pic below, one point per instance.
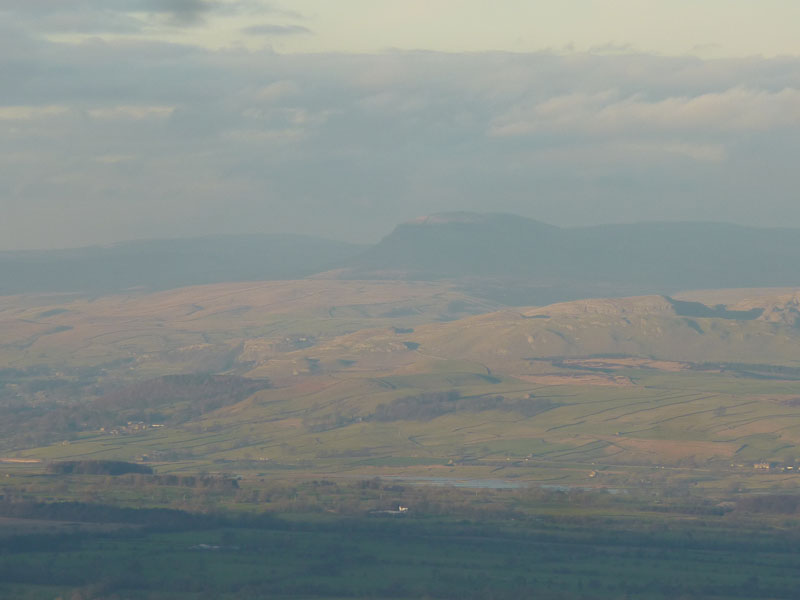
[(699, 427), (555, 551)]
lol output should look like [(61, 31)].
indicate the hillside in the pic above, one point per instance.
[(279, 326), (204, 328), (655, 327), (406, 380), (763, 330)]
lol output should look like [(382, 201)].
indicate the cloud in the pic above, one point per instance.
[(112, 139), (715, 153), (112, 159), (611, 48), (277, 90), (26, 113), (735, 110), (268, 29), (178, 12), (127, 16), (131, 112)]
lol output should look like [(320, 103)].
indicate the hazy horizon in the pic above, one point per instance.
[(379, 234)]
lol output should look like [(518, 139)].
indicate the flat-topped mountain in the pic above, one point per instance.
[(456, 245), (544, 263)]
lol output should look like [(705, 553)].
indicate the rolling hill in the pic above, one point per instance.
[(202, 328), (388, 378), (764, 330)]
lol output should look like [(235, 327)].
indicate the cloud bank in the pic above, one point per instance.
[(107, 140)]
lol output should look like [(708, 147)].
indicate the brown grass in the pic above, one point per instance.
[(593, 379), (626, 363), (669, 451)]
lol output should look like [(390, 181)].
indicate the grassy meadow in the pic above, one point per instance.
[(705, 428)]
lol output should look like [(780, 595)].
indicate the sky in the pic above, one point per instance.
[(132, 119)]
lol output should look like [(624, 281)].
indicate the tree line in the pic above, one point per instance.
[(429, 405)]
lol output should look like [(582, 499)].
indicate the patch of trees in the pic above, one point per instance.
[(97, 467), (422, 407), (313, 365), (200, 482), (36, 412), (783, 504), (8, 373), (335, 420), (429, 405), (177, 398), (755, 371), (164, 519), (101, 513)]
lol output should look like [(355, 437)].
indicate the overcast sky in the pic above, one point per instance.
[(127, 119)]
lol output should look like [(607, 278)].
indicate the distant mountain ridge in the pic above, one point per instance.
[(547, 264), (506, 258), (167, 264)]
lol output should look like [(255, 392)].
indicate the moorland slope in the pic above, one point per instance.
[(390, 379)]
